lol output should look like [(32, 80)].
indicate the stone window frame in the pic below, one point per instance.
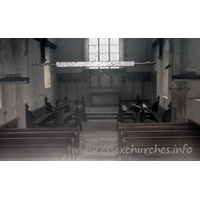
[(47, 71), (165, 70), (1, 97), (47, 76), (86, 49)]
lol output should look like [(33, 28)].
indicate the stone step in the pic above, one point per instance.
[(101, 113), (102, 117), (108, 116), (93, 117)]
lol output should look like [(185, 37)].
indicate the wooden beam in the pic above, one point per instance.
[(159, 41), (44, 43)]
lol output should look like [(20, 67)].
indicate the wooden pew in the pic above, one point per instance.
[(54, 130), (144, 136), (124, 132), (39, 116), (79, 112), (140, 112), (48, 116), (58, 115), (153, 126), (38, 142), (136, 110), (168, 141), (67, 113), (121, 113), (11, 124), (157, 124), (18, 149)]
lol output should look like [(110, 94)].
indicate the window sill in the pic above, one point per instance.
[(47, 88), (164, 97), (196, 99)]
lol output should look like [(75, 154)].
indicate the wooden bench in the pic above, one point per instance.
[(155, 126), (58, 114), (158, 116), (153, 129), (157, 112), (38, 144), (48, 115), (67, 114), (62, 114), (139, 113), (165, 135), (39, 116), (11, 124), (20, 148), (135, 110), (80, 114), (24, 130), (168, 142), (35, 143), (42, 118)]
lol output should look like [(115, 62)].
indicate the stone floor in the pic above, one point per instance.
[(99, 134), (101, 110)]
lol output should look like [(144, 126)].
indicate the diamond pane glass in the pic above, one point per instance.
[(0, 98), (103, 57), (103, 49), (93, 57), (103, 41), (114, 57), (114, 41), (93, 41), (93, 49), (114, 48)]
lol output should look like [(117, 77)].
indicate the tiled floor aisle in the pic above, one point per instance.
[(99, 134)]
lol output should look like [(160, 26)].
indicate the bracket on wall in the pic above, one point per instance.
[(168, 66), (159, 41)]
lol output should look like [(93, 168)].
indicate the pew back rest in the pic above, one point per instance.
[(156, 124), (40, 136), (58, 114), (158, 115), (10, 124), (34, 118), (161, 134), (161, 110), (39, 111), (150, 128), (54, 130)]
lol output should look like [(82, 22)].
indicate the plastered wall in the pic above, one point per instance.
[(17, 56)]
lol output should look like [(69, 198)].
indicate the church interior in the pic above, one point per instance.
[(128, 91)]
